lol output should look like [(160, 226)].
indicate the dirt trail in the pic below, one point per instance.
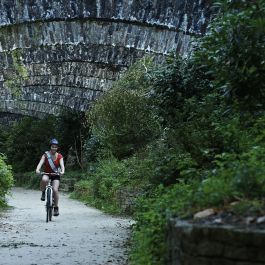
[(80, 235)]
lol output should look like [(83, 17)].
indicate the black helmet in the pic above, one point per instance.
[(54, 141)]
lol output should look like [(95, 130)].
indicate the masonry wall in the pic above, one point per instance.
[(215, 245), (56, 54)]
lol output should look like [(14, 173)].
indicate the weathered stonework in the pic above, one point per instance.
[(192, 244), (7, 119), (57, 54)]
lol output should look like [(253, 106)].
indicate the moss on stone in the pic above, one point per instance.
[(20, 74)]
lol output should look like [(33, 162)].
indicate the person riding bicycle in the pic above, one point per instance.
[(54, 165)]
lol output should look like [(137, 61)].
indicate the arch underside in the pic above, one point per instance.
[(68, 58)]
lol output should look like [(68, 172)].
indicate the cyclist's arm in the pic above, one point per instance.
[(62, 166), (42, 160)]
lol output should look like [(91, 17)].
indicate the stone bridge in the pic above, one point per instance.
[(66, 53)]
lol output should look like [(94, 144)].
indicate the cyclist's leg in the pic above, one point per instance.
[(44, 182), (55, 186)]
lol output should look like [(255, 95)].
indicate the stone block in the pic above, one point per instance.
[(191, 244)]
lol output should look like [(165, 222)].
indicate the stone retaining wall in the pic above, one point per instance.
[(215, 245)]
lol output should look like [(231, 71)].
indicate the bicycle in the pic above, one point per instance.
[(49, 197)]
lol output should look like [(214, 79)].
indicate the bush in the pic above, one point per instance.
[(101, 188), (168, 164), (72, 130), (27, 140), (152, 215), (174, 83), (136, 77), (6, 179), (3, 136), (27, 180), (123, 122), (234, 51), (92, 149), (107, 184), (235, 177)]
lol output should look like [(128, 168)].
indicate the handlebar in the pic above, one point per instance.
[(46, 173)]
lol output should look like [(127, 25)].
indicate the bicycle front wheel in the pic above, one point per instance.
[(47, 214), (50, 213), (48, 206)]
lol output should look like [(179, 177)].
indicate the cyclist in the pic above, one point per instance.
[(53, 163)]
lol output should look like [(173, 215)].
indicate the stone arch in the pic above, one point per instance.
[(57, 54)]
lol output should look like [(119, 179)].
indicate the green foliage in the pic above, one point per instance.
[(168, 164), (72, 130), (83, 191), (92, 148), (140, 170), (235, 177), (100, 189), (27, 179), (247, 172), (6, 179), (209, 151), (152, 215), (248, 207), (234, 51), (27, 141), (19, 66), (3, 136), (136, 77), (169, 132), (175, 82), (209, 154), (123, 122), (103, 186), (75, 174)]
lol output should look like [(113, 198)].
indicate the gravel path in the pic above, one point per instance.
[(80, 235)]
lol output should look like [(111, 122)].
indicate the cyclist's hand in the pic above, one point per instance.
[(37, 172)]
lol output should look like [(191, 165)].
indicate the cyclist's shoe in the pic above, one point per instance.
[(56, 211), (43, 196)]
